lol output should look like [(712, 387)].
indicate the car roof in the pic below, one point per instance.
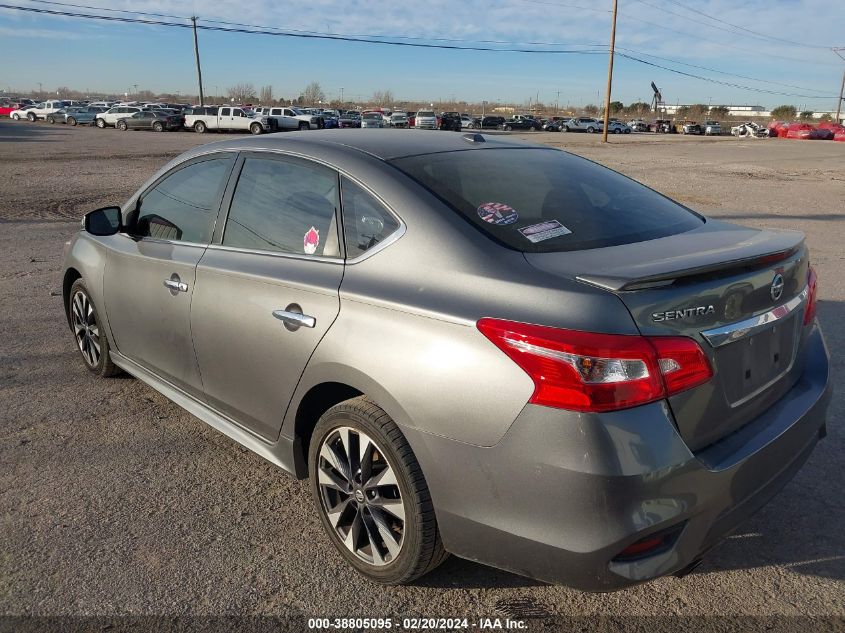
[(383, 144)]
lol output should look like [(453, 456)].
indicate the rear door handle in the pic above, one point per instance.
[(294, 320), (176, 285)]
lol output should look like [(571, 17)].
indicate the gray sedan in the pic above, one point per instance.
[(75, 115), (468, 344)]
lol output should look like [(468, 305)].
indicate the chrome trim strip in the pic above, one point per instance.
[(250, 251), (717, 337)]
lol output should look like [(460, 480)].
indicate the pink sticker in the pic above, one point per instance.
[(311, 241)]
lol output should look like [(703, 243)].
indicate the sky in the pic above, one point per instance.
[(776, 46)]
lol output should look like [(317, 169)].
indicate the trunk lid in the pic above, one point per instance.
[(739, 292)]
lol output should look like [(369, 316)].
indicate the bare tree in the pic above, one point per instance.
[(242, 92), (266, 95), (382, 97), (591, 109), (313, 93)]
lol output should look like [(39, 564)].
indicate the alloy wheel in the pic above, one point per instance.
[(86, 330), (360, 495)]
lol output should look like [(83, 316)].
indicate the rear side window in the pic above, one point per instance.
[(286, 207), (366, 222), (544, 200), (183, 206)]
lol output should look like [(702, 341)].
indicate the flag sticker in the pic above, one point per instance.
[(544, 231), (497, 213)]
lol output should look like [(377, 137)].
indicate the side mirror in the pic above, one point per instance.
[(105, 221)]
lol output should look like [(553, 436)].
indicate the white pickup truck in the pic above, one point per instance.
[(293, 118), (41, 110), (226, 118)]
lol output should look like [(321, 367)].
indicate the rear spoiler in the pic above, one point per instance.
[(663, 261)]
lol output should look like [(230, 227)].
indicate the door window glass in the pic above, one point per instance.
[(284, 206), (183, 206), (366, 221)]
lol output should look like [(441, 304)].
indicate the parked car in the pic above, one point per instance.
[(712, 128), (582, 124), (579, 411), (615, 127), (662, 126), (229, 118), (425, 120), (466, 121), (398, 119), (294, 119), (487, 123), (372, 120), (450, 121), (638, 125), (689, 127), (516, 124), (20, 113), (156, 121), (350, 119), (74, 115), (110, 117), (41, 110), (534, 122)]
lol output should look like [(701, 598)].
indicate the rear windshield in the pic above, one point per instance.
[(425, 113), (544, 200)]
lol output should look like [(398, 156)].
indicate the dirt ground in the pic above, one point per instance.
[(116, 503)]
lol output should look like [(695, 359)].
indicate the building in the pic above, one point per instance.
[(733, 110)]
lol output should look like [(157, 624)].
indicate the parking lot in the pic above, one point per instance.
[(115, 502)]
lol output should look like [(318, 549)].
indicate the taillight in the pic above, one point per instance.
[(586, 371), (812, 292)]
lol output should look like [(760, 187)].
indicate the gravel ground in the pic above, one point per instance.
[(115, 503)]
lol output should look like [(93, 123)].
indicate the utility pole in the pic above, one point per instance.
[(841, 88), (197, 53), (609, 76), (341, 94), (557, 103)]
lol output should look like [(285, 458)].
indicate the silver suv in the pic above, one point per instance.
[(467, 344), (582, 124)]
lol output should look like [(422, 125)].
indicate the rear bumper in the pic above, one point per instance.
[(563, 493)]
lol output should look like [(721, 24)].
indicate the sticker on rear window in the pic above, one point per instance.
[(497, 213), (311, 241), (544, 231)]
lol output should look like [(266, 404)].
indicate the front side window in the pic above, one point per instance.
[(366, 222), (545, 200), (284, 206), (183, 206), (224, 112)]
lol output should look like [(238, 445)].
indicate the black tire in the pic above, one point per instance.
[(199, 127), (121, 125), (421, 548), (51, 120), (31, 117), (256, 128), (104, 366), (158, 127), (627, 131), (101, 123), (16, 117), (591, 130), (71, 121), (508, 128), (303, 126), (617, 131)]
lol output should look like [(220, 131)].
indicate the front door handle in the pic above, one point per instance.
[(174, 285), (293, 318)]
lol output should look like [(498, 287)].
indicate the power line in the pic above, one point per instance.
[(629, 16), (723, 83), (278, 33), (737, 26), (716, 70), (367, 40)]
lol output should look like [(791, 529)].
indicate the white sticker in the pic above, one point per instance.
[(544, 231)]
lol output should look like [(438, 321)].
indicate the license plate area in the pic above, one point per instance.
[(751, 365)]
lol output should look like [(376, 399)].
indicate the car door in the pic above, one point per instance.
[(267, 289), (149, 275)]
